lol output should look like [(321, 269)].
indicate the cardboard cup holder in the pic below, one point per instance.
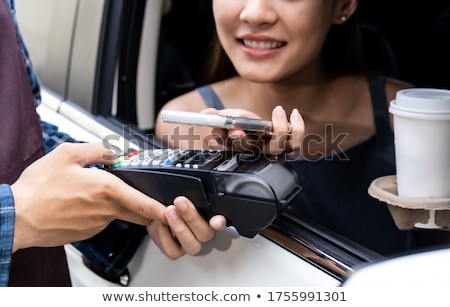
[(411, 213)]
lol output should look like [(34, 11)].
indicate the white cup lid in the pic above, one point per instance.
[(422, 103), (425, 99)]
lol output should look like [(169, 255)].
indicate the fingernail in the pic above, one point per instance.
[(172, 215), (279, 112), (182, 205), (295, 115)]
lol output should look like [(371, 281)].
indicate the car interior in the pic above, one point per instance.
[(112, 64)]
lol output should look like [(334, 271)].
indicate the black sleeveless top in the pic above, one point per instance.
[(335, 188), (22, 144)]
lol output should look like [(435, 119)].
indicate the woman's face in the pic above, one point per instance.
[(273, 40)]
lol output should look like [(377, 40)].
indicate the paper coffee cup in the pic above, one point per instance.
[(422, 142)]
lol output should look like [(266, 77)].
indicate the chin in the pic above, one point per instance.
[(260, 77), (260, 73)]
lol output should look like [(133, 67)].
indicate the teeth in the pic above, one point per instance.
[(262, 45)]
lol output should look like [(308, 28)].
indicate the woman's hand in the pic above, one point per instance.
[(187, 229), (286, 137)]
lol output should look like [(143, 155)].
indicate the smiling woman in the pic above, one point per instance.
[(343, 45), (297, 21), (307, 56)]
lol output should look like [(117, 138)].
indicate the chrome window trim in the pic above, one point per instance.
[(96, 125), (327, 251)]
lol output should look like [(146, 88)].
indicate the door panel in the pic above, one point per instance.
[(47, 27), (84, 53)]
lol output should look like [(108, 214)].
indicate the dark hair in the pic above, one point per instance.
[(342, 53), (219, 66)]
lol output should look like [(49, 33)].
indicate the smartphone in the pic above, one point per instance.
[(217, 121)]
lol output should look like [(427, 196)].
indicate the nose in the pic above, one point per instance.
[(258, 12)]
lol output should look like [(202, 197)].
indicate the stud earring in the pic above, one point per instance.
[(343, 18)]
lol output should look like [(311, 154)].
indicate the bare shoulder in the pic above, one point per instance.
[(392, 86), (190, 102)]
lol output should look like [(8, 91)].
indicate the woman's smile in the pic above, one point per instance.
[(260, 46)]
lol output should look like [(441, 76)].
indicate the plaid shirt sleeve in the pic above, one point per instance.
[(52, 137), (7, 219)]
